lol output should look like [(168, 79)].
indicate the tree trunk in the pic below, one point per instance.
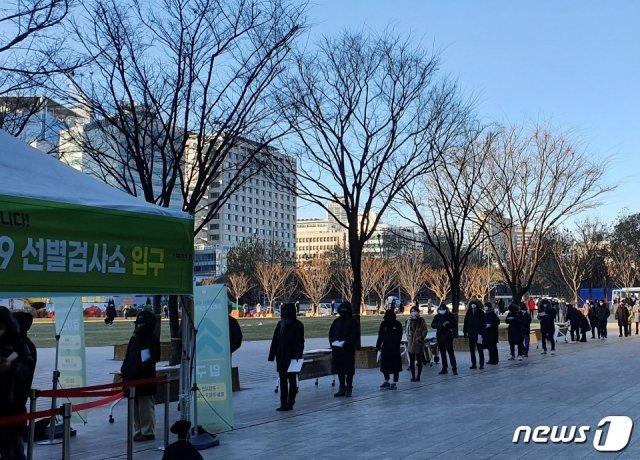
[(455, 298), (175, 331), (355, 249)]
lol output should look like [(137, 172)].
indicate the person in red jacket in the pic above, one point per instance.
[(531, 304)]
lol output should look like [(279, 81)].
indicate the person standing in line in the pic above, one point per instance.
[(547, 316), (445, 323), (343, 336), (143, 352), (622, 315), (388, 345), (514, 330), (602, 313), (235, 332), (635, 314), (591, 310), (474, 329), (492, 322), (531, 304), (416, 330), (574, 317), (584, 326), (525, 319), (287, 344)]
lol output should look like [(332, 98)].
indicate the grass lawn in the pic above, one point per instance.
[(97, 334)]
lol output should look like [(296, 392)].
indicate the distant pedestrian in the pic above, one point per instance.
[(343, 336), (416, 329), (591, 310), (388, 344), (165, 311), (526, 328), (635, 314), (547, 316), (514, 330), (491, 336), (111, 312), (287, 344), (143, 353), (501, 306), (602, 313), (622, 315), (574, 317), (235, 332), (474, 329), (445, 324), (531, 304)]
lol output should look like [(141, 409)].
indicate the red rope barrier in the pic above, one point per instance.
[(86, 390), (76, 393), (98, 403), (16, 419)]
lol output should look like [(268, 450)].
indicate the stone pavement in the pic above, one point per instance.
[(472, 415)]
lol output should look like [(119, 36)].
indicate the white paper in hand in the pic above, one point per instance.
[(337, 343), (295, 366), (378, 356), (145, 355), (480, 339)]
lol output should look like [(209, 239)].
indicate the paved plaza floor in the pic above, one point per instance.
[(469, 416)]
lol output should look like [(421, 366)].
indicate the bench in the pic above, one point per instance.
[(316, 364)]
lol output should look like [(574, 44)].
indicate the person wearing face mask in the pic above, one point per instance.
[(17, 366), (388, 344), (416, 329), (287, 344), (343, 336), (602, 313), (474, 329), (143, 353), (525, 321), (514, 330), (492, 322), (445, 323), (547, 316)]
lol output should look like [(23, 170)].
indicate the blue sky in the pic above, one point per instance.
[(574, 64)]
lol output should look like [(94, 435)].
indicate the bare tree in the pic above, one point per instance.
[(387, 281), (437, 281), (622, 270), (478, 281), (343, 281), (411, 274), (238, 284), (314, 277), (444, 203), (538, 178), (365, 112), (274, 279), (372, 269), (574, 252)]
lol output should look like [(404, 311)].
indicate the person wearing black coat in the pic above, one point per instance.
[(111, 312), (593, 318), (622, 315), (17, 366), (584, 327), (388, 344), (525, 318), (235, 333), (602, 313), (574, 316), (343, 337), (474, 329), (143, 353), (445, 324), (547, 316), (181, 449), (287, 344), (492, 322), (514, 331)]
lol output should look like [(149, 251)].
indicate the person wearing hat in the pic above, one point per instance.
[(547, 316), (343, 336), (16, 373), (287, 344), (492, 322), (181, 449), (388, 345), (143, 352), (445, 324), (474, 330)]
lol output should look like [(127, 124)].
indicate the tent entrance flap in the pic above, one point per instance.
[(53, 247)]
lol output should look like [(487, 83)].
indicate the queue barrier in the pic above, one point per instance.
[(108, 393)]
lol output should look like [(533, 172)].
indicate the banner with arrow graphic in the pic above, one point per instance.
[(213, 358)]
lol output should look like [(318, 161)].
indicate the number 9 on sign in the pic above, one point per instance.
[(6, 251)]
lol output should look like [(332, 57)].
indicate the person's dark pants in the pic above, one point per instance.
[(345, 380), (396, 376), (446, 346), (12, 447), (472, 349), (627, 330), (602, 328), (637, 324), (526, 341), (415, 360), (492, 348), (548, 335), (575, 332), (512, 348), (288, 388), (594, 329)]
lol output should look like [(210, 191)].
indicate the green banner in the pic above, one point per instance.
[(72, 362), (213, 358), (51, 247)]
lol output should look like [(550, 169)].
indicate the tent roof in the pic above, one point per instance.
[(29, 173)]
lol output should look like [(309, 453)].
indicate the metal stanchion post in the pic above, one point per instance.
[(131, 393), (32, 423), (66, 431), (167, 397)]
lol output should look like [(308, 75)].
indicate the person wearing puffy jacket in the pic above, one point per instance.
[(547, 318), (445, 323), (474, 329), (514, 329), (602, 313)]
